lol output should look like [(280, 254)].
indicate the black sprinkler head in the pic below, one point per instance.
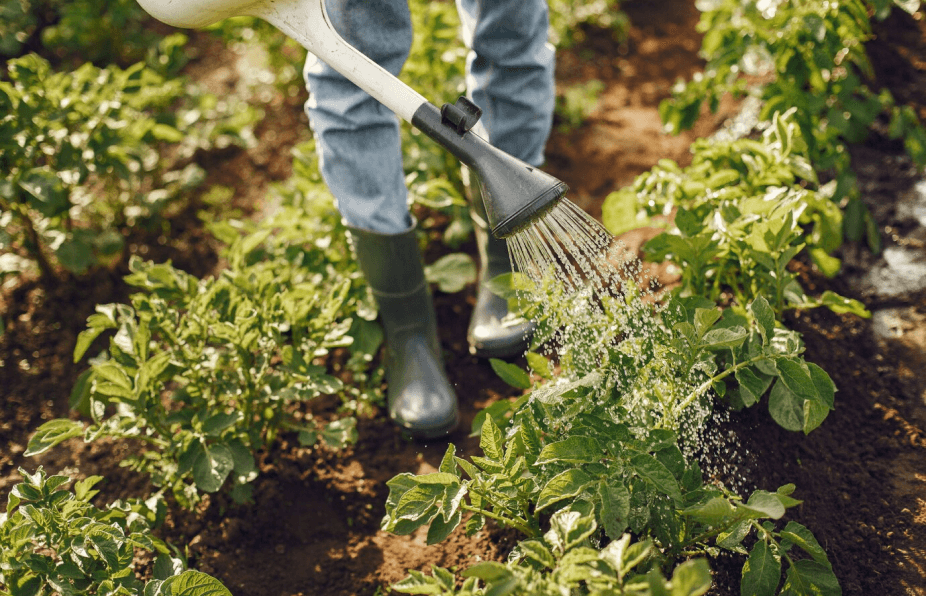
[(514, 192)]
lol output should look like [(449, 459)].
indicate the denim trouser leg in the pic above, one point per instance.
[(510, 72), (357, 137), (509, 76)]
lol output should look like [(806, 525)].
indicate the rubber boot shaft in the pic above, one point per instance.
[(420, 398)]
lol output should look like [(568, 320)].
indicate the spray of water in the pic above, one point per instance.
[(598, 313)]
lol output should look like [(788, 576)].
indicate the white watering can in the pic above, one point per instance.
[(514, 192)]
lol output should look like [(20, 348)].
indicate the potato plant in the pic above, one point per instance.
[(205, 373), (743, 210), (55, 541), (79, 149), (810, 56), (564, 560), (605, 432), (108, 31)]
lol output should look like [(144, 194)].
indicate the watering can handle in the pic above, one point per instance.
[(307, 22)]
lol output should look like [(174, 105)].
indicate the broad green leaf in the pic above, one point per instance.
[(475, 523), (712, 512), (499, 578), (511, 373), (786, 408), (732, 538), (340, 433), (75, 255), (572, 526), (216, 423), (765, 504), (441, 529), (85, 339), (752, 387), (491, 441), (442, 478), (615, 508), (705, 318), (824, 385), (418, 503), (452, 272), (114, 373), (193, 583), (809, 578), (166, 566), (717, 339), (564, 485), (211, 466), (764, 316), (51, 433), (827, 264), (447, 464), (419, 583), (761, 573), (691, 578), (619, 212), (537, 551), (815, 412), (551, 393), (245, 468), (796, 377), (576, 449), (539, 364), (802, 537), (530, 436), (656, 473)]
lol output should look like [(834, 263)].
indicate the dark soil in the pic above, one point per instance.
[(314, 526)]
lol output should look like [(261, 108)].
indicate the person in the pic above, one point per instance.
[(509, 76)]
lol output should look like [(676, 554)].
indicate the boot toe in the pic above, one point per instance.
[(492, 337), (424, 412), (421, 399)]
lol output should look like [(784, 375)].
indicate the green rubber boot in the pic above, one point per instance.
[(420, 398), (492, 333)]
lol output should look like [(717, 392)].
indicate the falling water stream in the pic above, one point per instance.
[(596, 300)]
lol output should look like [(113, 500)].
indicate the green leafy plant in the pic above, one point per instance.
[(113, 30), (576, 104), (207, 372), (55, 541), (564, 560), (810, 56), (568, 20), (742, 211), (79, 150), (604, 430)]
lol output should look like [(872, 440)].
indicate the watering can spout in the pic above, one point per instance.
[(514, 192)]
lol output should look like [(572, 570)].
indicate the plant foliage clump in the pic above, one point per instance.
[(80, 153), (807, 55), (208, 372), (55, 541)]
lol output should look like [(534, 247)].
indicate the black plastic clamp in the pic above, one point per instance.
[(461, 116)]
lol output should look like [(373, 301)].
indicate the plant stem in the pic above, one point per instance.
[(527, 530), (703, 387)]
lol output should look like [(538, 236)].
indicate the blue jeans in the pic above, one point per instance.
[(509, 76)]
